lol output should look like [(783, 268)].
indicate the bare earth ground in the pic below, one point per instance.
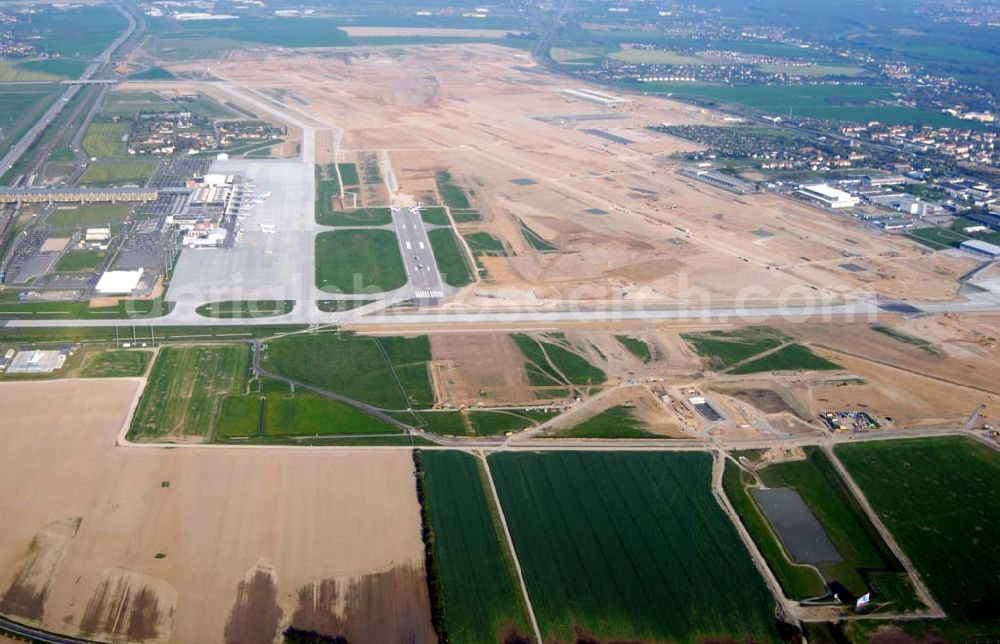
[(491, 117), (198, 545)]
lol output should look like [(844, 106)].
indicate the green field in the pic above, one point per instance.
[(657, 57), (279, 413), (938, 498), (435, 215), (549, 364), (105, 140), (937, 238), (246, 309), (636, 347), (616, 422), (358, 261), (349, 174), (867, 559), (72, 32), (449, 257), (723, 349), (481, 595), (535, 240), (359, 217), (280, 32), (128, 103), (185, 391), (109, 173), (336, 306), (87, 215), (153, 73), (475, 422), (629, 546), (40, 70), (117, 364), (77, 261), (452, 195), (791, 357), (484, 244), (361, 367), (812, 70)]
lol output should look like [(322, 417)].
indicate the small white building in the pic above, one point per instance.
[(118, 282), (827, 196), (98, 234)]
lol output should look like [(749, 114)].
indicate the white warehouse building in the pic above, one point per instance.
[(827, 196)]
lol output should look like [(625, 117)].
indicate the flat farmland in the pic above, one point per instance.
[(938, 497), (198, 545), (482, 598), (185, 391), (358, 261), (629, 546)]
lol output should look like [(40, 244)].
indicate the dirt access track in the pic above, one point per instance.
[(591, 179), (198, 545)]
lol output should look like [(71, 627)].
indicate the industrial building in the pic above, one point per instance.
[(719, 180), (827, 196), (981, 248), (118, 282)]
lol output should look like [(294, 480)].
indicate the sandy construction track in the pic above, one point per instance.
[(198, 545)]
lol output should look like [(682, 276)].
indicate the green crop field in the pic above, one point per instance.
[(552, 364), (636, 347), (616, 422), (938, 497), (311, 414), (280, 32), (452, 195), (77, 261), (87, 215), (792, 357), (128, 171), (38, 70), (358, 261), (867, 559), (725, 348), (449, 257), (482, 598), (246, 309), (105, 140), (492, 423), (361, 367), (629, 546), (153, 73), (116, 364), (72, 32), (186, 388)]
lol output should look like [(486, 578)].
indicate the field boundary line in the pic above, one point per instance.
[(510, 546), (787, 607), (934, 609)]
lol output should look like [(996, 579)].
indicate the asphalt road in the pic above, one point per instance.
[(21, 147), (418, 257)]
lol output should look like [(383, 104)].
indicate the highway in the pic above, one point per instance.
[(24, 144)]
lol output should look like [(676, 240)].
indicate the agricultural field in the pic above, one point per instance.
[(119, 173), (358, 261), (449, 257), (616, 422), (276, 412), (349, 174), (104, 140), (654, 533), (182, 399), (549, 363), (374, 370), (88, 215), (938, 497), (476, 422), (39, 70), (246, 309), (73, 32), (479, 590), (116, 364), (865, 558)]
